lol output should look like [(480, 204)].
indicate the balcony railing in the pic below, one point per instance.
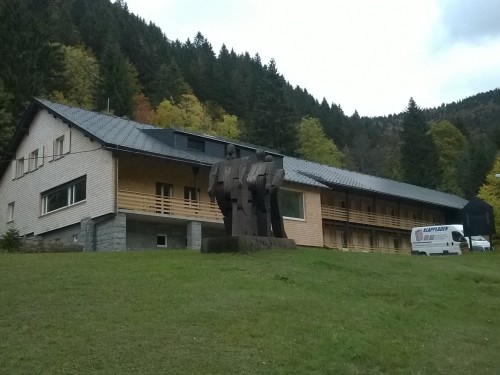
[(368, 218), (168, 206)]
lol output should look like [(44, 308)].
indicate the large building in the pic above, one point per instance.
[(79, 178)]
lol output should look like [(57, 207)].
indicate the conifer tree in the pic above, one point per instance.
[(419, 159), (120, 82), (272, 121), (6, 125)]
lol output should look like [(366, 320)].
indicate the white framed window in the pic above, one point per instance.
[(291, 204), (20, 167), (58, 147), (10, 211), (64, 195), (161, 240), (33, 161), (191, 194)]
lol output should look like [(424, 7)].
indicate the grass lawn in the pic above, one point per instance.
[(291, 312)]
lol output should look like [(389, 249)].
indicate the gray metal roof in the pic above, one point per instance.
[(310, 173), (127, 135), (122, 134)]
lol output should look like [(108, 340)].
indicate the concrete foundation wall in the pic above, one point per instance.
[(143, 235)]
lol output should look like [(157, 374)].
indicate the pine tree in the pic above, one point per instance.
[(419, 158), (29, 62), (120, 82), (6, 126), (272, 123)]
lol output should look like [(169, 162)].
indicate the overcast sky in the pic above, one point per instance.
[(365, 55)]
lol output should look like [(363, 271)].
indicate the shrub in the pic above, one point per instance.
[(10, 241)]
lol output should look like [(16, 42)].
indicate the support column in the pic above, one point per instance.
[(194, 235), (87, 234), (120, 232)]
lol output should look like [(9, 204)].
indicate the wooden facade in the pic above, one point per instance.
[(332, 218)]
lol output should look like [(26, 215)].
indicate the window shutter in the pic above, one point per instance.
[(26, 163), (14, 169), (67, 142), (41, 155)]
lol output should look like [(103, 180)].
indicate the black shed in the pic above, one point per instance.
[(478, 218)]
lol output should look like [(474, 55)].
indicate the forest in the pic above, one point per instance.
[(97, 55)]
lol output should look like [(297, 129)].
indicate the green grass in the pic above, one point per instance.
[(290, 312)]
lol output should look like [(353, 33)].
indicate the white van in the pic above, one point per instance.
[(479, 243), (438, 240)]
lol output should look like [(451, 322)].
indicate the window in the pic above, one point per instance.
[(10, 211), (161, 240), (58, 147), (20, 167), (163, 192), (190, 193), (457, 237), (64, 195), (196, 144), (33, 161), (291, 204)]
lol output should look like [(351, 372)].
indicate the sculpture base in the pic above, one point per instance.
[(244, 244)]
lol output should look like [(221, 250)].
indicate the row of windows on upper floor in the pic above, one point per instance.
[(36, 158)]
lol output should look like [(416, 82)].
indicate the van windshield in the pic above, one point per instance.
[(457, 236), (478, 238)]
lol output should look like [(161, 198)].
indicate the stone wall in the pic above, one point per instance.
[(111, 234)]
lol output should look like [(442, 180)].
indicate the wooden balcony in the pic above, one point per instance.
[(158, 205), (367, 218)]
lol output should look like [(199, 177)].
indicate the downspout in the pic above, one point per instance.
[(346, 231), (115, 208)]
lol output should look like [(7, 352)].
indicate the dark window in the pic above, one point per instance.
[(190, 193), (457, 236), (64, 195), (291, 204), (164, 190), (161, 240), (196, 144)]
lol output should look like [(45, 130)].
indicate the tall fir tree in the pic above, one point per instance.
[(6, 125), (273, 124), (29, 62), (419, 158), (120, 82)]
